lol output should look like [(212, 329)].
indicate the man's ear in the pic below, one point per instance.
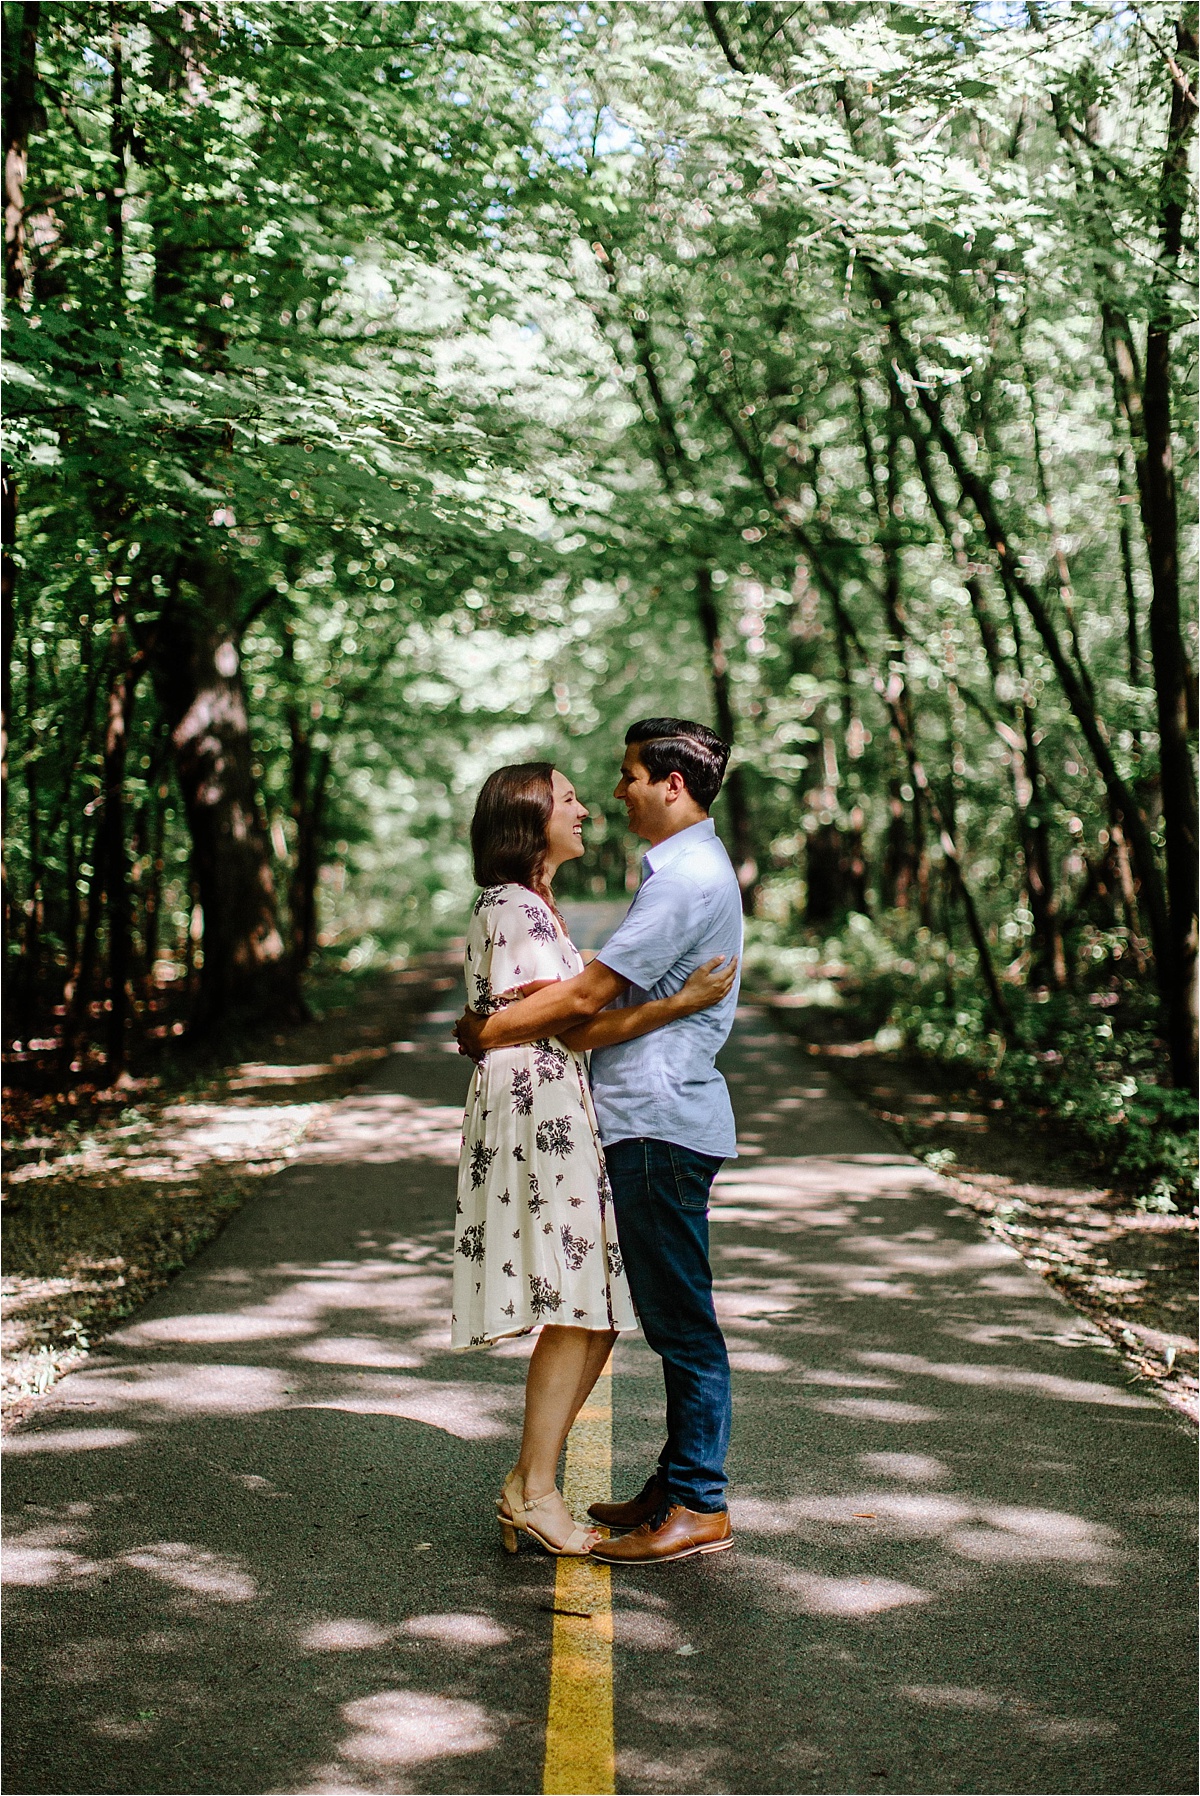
[(676, 788)]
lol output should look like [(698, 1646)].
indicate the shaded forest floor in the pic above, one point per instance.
[(108, 1196), (1131, 1272)]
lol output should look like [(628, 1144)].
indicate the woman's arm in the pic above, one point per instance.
[(556, 1005), (704, 988)]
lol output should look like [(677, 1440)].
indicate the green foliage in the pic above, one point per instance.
[(440, 356)]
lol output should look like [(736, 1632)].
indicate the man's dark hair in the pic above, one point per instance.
[(667, 745)]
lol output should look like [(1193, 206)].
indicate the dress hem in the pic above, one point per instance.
[(528, 1328)]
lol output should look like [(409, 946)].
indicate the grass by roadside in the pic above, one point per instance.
[(1131, 1271), (106, 1200)]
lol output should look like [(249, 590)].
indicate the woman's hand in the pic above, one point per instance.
[(466, 1033), (524, 991), (706, 986)]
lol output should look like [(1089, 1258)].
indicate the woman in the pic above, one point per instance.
[(536, 1240)]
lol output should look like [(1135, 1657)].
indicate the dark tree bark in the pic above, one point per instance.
[(1143, 402), (716, 24), (197, 675), (898, 718), (148, 838), (1018, 732), (109, 892), (905, 852), (115, 872), (21, 118), (114, 198), (735, 782), (8, 634), (886, 490), (309, 781), (31, 967), (1172, 675), (669, 453), (1153, 898), (308, 815), (78, 991), (835, 874)]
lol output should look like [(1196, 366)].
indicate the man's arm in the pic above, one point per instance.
[(560, 1005), (707, 986)]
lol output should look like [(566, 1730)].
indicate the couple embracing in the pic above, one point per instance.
[(580, 1197)]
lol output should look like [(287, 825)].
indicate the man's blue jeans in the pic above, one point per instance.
[(660, 1196)]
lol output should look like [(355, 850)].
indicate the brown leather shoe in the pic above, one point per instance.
[(632, 1514), (680, 1533)]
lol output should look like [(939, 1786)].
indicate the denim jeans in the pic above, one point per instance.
[(660, 1196)]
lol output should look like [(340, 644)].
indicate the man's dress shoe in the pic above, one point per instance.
[(675, 1533), (632, 1514)]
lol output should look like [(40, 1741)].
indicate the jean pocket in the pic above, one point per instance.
[(694, 1174)]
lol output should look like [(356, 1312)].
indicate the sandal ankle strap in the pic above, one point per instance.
[(536, 1502)]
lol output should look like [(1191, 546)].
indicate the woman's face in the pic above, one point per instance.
[(564, 831)]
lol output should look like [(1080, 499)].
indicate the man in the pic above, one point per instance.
[(666, 1122)]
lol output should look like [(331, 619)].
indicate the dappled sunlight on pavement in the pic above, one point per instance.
[(251, 1542), (935, 1463)]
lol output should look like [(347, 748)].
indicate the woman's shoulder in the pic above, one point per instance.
[(497, 897)]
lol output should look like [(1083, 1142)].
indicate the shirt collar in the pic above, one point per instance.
[(662, 852)]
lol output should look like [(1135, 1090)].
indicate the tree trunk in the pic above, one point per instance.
[(8, 633), (735, 783), (32, 950), (197, 674), (118, 723), (114, 198), (308, 815), (21, 118), (975, 490), (148, 847), (829, 585), (1132, 629), (1143, 401), (886, 491), (898, 864), (1167, 652), (904, 721), (834, 875), (77, 995), (1018, 733)]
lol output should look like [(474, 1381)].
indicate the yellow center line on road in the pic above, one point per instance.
[(579, 1722)]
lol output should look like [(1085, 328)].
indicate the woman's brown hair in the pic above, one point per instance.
[(508, 830)]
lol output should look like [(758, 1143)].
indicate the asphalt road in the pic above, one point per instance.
[(251, 1544)]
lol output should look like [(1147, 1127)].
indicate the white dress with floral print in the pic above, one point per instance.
[(535, 1239)]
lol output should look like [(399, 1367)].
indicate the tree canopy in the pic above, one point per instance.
[(398, 389)]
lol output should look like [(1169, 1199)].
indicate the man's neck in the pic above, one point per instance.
[(677, 829)]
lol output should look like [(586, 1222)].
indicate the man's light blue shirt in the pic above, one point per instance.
[(664, 1085)]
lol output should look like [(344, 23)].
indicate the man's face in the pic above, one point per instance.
[(646, 804)]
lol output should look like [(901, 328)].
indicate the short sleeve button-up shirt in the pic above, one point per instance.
[(664, 1085)]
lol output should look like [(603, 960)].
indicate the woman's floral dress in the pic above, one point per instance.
[(535, 1239)]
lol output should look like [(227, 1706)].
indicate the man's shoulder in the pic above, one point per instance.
[(705, 863)]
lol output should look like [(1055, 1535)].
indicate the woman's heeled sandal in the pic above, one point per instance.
[(512, 1513), (579, 1541)]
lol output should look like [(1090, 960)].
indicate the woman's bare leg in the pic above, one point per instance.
[(601, 1343), (565, 1365)]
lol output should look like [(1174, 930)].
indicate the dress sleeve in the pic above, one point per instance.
[(517, 930)]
